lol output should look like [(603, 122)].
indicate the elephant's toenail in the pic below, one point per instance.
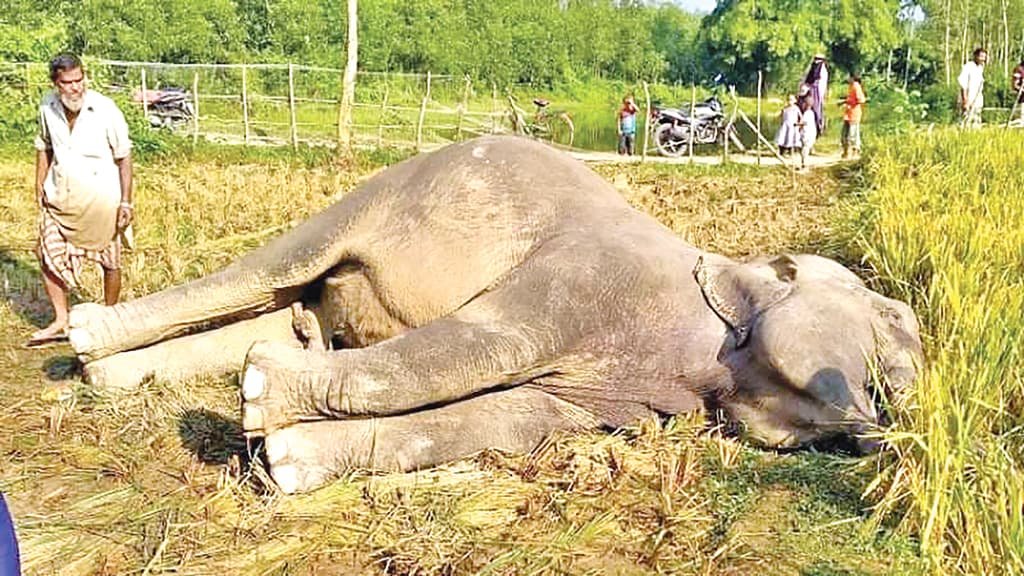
[(253, 383), (252, 418), (287, 478), (80, 339), (277, 449)]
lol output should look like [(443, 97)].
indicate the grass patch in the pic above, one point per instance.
[(941, 219)]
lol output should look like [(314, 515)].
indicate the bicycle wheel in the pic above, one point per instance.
[(561, 129)]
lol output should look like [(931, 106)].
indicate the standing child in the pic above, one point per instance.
[(626, 126), (854, 104), (808, 129), (788, 136)]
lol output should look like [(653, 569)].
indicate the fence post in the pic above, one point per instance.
[(145, 105), (759, 77), (291, 105), (462, 109), (245, 103), (647, 121), (383, 114), (494, 108), (693, 111), (195, 107), (423, 114)]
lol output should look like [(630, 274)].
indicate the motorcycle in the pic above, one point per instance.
[(166, 108), (708, 125)]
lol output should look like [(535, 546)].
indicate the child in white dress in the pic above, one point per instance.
[(808, 125), (788, 136)]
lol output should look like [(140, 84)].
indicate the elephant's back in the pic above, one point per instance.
[(442, 227)]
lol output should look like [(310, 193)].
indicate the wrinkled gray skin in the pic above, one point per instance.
[(492, 292)]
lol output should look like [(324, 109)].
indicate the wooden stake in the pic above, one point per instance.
[(760, 137), (291, 105), (647, 120), (145, 105), (245, 103), (693, 125), (423, 115), (383, 114), (195, 107), (462, 109), (494, 108)]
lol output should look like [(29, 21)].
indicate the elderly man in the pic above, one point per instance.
[(84, 189), (972, 84)]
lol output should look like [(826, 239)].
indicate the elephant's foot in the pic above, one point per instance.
[(303, 457), (280, 387), (88, 331)]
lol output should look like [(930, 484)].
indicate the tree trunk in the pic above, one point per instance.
[(1006, 42), (348, 82), (949, 16)]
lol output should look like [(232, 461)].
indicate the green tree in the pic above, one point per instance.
[(779, 37), (183, 31)]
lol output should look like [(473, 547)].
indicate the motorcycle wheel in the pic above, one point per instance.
[(669, 144)]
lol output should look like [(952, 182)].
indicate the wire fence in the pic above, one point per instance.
[(292, 103)]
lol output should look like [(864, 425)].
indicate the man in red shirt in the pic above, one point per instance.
[(626, 126)]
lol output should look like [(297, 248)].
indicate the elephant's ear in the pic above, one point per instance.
[(738, 293)]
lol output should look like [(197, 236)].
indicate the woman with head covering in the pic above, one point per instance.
[(816, 82)]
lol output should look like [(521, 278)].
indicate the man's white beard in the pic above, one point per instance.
[(72, 103)]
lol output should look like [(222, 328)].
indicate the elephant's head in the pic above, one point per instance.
[(807, 339)]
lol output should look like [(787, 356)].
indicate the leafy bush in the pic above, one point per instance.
[(892, 110), (17, 114)]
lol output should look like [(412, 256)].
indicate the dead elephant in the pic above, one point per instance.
[(487, 294)]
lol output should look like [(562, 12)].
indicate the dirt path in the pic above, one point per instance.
[(589, 156), (814, 161)]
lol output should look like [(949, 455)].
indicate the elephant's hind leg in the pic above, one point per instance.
[(213, 353), (305, 456)]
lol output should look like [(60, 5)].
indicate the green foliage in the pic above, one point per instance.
[(894, 110), (780, 36), (17, 115), (182, 31), (28, 33)]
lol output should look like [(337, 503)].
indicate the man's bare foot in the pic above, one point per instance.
[(57, 331)]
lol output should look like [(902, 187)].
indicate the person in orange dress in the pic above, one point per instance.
[(854, 111)]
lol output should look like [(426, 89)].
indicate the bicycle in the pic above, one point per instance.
[(554, 126)]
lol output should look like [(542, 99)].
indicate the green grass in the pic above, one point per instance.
[(941, 218)]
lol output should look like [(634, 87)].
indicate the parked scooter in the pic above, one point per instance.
[(167, 107), (708, 125)]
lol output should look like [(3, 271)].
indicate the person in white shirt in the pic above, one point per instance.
[(84, 189), (972, 84)]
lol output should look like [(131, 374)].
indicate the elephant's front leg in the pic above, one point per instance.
[(213, 353), (304, 456), (450, 359)]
